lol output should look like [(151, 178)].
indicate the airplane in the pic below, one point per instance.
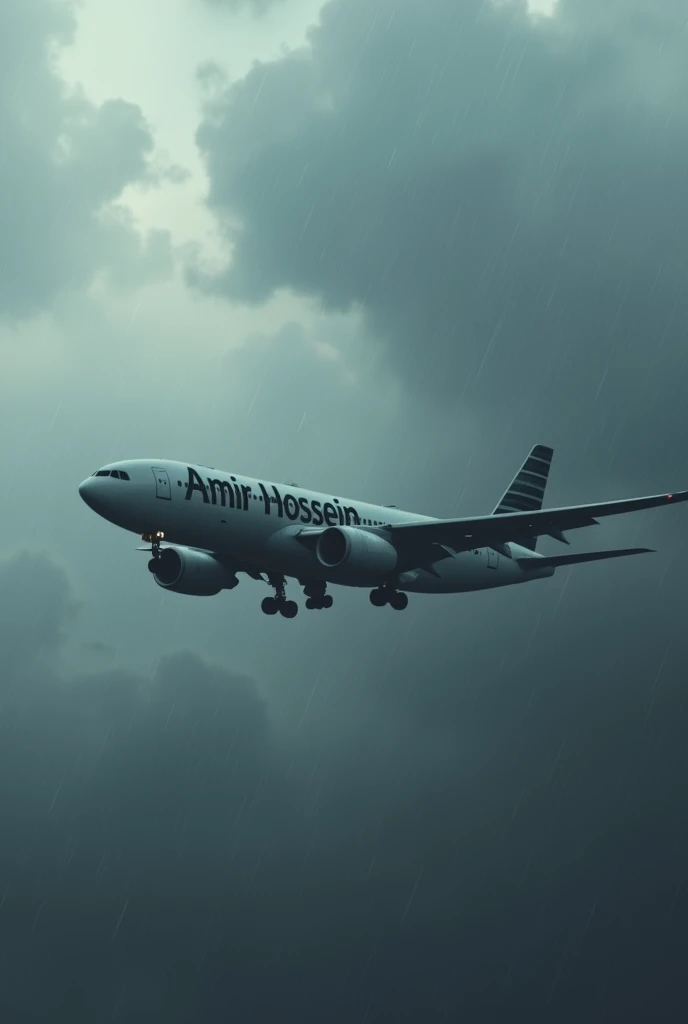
[(205, 526)]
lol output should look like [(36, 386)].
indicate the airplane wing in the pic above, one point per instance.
[(464, 534)]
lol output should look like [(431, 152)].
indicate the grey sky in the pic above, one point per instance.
[(383, 253)]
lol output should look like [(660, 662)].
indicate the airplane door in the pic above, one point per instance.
[(162, 484), (492, 559)]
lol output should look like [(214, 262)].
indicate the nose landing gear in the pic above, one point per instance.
[(154, 539), (381, 596), (279, 603)]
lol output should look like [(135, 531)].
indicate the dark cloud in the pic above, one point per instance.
[(499, 829), (114, 784), (31, 631), (65, 162), (99, 648), (505, 198)]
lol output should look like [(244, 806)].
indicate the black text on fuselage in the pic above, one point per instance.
[(232, 494)]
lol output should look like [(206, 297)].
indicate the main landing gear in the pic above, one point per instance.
[(317, 598), (381, 596), (279, 603)]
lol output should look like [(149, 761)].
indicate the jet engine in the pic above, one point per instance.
[(359, 552), (188, 571)]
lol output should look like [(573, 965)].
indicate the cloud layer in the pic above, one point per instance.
[(66, 164), (472, 841)]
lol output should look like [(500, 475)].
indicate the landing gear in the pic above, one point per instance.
[(317, 598), (272, 605), (381, 596), (279, 603), (155, 539)]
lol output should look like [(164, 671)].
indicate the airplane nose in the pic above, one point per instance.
[(87, 491)]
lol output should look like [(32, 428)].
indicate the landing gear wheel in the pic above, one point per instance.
[(398, 600), (315, 592), (278, 603), (378, 597)]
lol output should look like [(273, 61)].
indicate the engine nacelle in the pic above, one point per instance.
[(187, 571), (356, 552)]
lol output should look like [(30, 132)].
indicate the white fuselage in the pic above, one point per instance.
[(254, 523)]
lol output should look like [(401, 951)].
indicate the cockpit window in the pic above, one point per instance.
[(118, 474)]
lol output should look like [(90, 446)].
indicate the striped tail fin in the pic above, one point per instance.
[(527, 490)]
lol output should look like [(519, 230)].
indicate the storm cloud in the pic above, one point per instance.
[(504, 196)]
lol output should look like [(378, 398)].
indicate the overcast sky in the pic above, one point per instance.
[(379, 247)]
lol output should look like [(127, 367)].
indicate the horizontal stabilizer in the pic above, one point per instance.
[(586, 556)]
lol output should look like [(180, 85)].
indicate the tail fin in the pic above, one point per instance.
[(527, 490)]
